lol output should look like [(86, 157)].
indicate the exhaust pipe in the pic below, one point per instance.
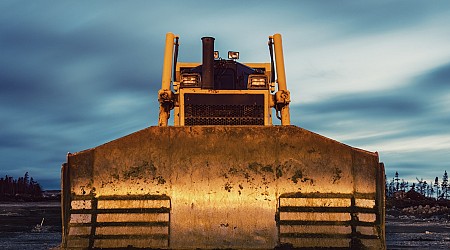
[(208, 63)]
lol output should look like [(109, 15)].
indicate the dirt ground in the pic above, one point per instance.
[(18, 222), (414, 233)]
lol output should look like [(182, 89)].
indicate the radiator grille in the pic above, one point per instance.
[(223, 109)]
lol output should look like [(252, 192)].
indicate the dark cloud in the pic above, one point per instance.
[(41, 59), (11, 140), (417, 98), (435, 80), (368, 104)]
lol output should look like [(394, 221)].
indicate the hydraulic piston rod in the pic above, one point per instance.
[(165, 95), (283, 95)]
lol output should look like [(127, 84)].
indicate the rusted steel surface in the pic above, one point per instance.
[(223, 187)]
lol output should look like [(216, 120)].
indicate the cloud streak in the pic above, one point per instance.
[(407, 124)]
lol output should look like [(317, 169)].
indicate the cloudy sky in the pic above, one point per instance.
[(371, 74)]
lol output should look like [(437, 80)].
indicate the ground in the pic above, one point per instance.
[(18, 228), (18, 222), (413, 233)]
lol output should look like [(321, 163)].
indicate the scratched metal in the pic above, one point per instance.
[(225, 184)]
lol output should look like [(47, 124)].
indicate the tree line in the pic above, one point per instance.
[(434, 189), (23, 186)]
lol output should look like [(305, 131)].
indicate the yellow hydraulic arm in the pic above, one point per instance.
[(165, 94), (282, 96)]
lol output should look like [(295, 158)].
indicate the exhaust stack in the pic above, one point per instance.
[(208, 63)]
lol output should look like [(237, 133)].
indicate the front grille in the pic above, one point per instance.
[(223, 109), (320, 220), (130, 221)]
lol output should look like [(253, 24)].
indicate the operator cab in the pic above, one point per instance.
[(221, 92), (216, 73), (228, 75)]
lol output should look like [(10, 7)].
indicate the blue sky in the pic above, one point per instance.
[(371, 74)]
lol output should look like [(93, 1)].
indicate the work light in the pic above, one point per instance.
[(233, 55), (257, 82), (190, 80)]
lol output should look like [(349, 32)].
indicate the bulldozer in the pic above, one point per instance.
[(223, 176)]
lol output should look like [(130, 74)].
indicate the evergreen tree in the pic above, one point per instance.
[(420, 188), (26, 178), (397, 184), (444, 185), (35, 188), (2, 186), (426, 189), (432, 191), (403, 185), (386, 186), (436, 187), (391, 188), (22, 186)]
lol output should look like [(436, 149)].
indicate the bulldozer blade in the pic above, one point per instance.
[(223, 187)]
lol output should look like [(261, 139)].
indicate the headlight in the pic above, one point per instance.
[(257, 82), (190, 80)]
